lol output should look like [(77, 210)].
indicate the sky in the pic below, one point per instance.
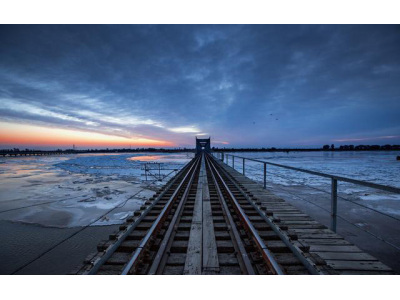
[(161, 86)]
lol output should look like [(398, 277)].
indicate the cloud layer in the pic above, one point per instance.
[(243, 85)]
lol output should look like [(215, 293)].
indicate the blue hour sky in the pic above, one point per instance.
[(245, 86)]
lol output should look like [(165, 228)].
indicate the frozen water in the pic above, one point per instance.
[(379, 167), (76, 190), (373, 166)]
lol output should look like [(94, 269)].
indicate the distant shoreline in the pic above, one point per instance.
[(326, 148), (301, 150)]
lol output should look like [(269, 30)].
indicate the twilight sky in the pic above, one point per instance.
[(116, 86)]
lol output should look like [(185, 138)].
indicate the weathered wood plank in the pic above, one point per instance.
[(194, 251), (119, 258), (193, 263), (314, 231), (210, 253), (358, 265), (358, 272), (286, 214), (323, 241), (227, 259), (346, 256), (333, 248), (176, 259), (318, 236), (303, 226)]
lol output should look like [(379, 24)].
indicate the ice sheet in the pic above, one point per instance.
[(75, 190)]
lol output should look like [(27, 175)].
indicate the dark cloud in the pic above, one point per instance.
[(320, 83)]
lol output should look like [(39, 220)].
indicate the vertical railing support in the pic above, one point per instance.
[(333, 204), (233, 161), (243, 166), (265, 175)]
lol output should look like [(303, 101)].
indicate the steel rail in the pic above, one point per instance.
[(387, 188), (266, 254), (310, 266), (244, 258), (157, 223), (110, 250), (159, 260)]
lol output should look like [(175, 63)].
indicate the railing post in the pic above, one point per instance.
[(333, 204), (243, 165), (265, 175), (233, 161), (222, 156)]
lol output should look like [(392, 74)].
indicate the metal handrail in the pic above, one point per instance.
[(338, 178), (334, 180)]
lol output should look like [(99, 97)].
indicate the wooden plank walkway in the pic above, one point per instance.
[(210, 253), (202, 255), (341, 256), (194, 253)]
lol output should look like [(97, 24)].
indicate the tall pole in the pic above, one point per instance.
[(333, 204), (265, 175)]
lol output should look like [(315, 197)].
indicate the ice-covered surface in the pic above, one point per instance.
[(373, 166), (75, 190), (121, 165)]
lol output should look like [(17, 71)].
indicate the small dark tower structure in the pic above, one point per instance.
[(203, 145)]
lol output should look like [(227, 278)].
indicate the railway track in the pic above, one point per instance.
[(202, 222)]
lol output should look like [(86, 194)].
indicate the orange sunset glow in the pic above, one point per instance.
[(30, 136)]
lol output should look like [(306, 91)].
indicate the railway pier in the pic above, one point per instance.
[(211, 219)]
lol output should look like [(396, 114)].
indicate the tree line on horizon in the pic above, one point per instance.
[(216, 149), (324, 148)]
